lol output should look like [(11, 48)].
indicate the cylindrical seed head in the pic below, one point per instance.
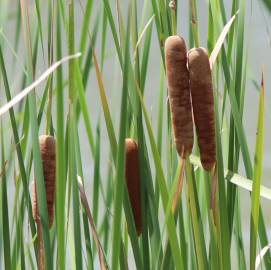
[(179, 94), (132, 176), (203, 105), (47, 150)]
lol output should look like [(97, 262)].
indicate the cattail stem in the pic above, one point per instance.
[(213, 193), (172, 6), (194, 23), (194, 212), (41, 264), (179, 186), (175, 201)]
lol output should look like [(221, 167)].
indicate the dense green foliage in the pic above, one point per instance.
[(191, 219)]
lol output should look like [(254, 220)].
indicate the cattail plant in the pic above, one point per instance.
[(132, 175), (203, 105), (179, 94), (47, 150)]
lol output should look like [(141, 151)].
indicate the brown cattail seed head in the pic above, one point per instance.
[(132, 175), (179, 94), (203, 105), (48, 158)]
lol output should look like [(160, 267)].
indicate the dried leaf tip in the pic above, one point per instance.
[(172, 5)]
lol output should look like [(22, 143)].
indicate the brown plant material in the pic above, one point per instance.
[(92, 225), (179, 187), (179, 94), (133, 180), (203, 105), (41, 262), (47, 150)]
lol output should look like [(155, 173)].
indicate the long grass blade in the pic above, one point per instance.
[(33, 85), (257, 175)]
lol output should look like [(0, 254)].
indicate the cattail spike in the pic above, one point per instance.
[(203, 105), (47, 150), (133, 180), (179, 94)]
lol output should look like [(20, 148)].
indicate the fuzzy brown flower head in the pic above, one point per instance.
[(179, 94), (132, 175), (203, 105), (48, 158)]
